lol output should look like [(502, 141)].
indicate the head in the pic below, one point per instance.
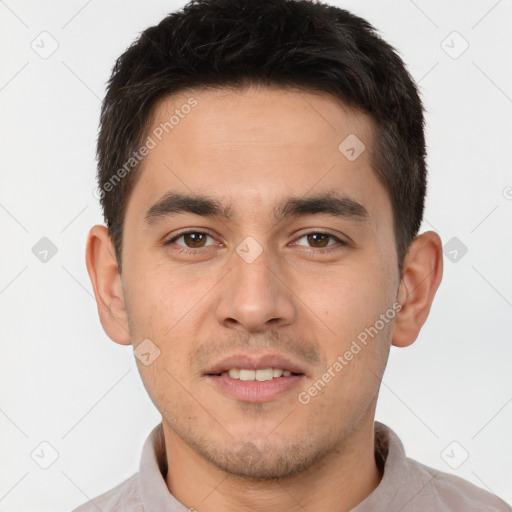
[(262, 175)]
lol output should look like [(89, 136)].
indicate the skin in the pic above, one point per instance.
[(252, 148)]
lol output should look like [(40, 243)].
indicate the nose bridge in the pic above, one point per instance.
[(253, 295)]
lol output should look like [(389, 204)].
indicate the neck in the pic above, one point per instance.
[(337, 482)]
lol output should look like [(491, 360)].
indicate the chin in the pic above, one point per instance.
[(267, 463)]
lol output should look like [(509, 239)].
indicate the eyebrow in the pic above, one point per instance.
[(328, 203)]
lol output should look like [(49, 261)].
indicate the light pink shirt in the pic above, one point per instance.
[(406, 486)]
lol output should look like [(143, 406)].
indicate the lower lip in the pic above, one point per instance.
[(253, 390)]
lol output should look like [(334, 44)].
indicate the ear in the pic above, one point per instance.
[(106, 281), (422, 274)]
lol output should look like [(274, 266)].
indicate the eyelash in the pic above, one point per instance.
[(188, 250)]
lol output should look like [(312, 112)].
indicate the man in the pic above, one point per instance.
[(262, 175)]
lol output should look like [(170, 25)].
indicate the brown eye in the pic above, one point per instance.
[(190, 240), (194, 240), (319, 240)]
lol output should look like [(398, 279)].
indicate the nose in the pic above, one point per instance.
[(255, 296)]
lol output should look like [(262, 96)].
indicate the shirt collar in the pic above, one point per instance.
[(405, 482), (155, 495)]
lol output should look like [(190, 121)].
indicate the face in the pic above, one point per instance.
[(285, 261)]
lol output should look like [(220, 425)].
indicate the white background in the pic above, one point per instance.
[(64, 382)]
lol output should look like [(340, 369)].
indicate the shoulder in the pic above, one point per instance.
[(454, 493), (410, 486), (124, 497)]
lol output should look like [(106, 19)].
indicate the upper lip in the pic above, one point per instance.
[(254, 362)]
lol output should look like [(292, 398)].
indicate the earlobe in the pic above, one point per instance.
[(106, 281), (422, 274)]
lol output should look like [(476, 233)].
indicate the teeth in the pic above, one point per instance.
[(247, 374), (265, 374), (259, 375), (234, 373)]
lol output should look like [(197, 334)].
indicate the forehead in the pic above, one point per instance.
[(252, 147)]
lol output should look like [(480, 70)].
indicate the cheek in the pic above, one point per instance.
[(351, 335), (347, 300), (160, 296), (356, 355)]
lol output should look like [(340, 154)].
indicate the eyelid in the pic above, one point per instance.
[(340, 241), (316, 233), (202, 231)]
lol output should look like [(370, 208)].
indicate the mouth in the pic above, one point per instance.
[(255, 379), (260, 374), (256, 367)]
